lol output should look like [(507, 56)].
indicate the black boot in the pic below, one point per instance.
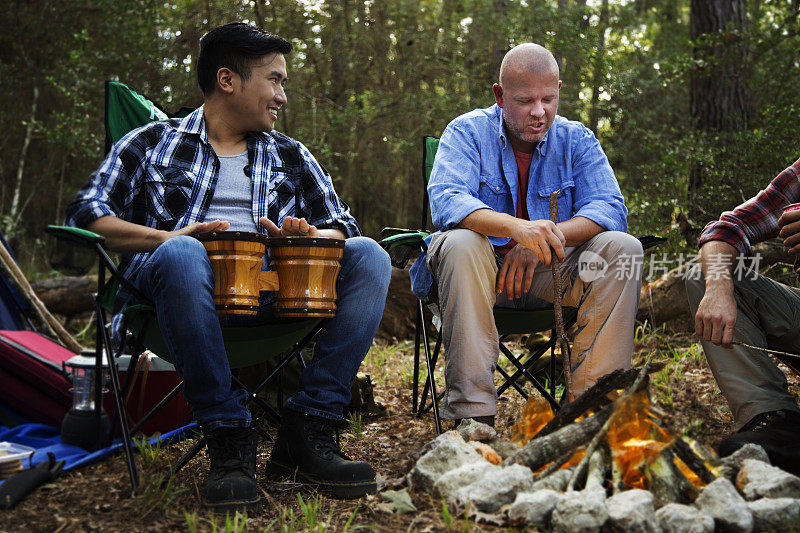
[(778, 432), (307, 451), (231, 483)]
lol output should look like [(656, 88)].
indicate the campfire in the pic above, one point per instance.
[(603, 463)]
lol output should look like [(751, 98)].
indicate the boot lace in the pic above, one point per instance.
[(764, 421), (232, 450), (320, 434)]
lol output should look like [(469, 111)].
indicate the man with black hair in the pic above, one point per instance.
[(225, 167)]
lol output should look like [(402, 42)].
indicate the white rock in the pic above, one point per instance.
[(580, 512), (496, 488), (757, 479), (730, 465), (464, 475), (469, 429), (447, 454), (556, 481), (632, 511), (534, 508), (720, 500), (779, 514), (677, 518)]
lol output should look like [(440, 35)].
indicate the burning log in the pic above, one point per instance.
[(538, 452)]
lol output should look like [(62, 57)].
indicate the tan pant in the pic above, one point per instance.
[(768, 315), (465, 267)]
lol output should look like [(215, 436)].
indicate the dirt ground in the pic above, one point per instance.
[(98, 498)]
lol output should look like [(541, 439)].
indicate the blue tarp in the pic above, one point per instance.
[(48, 439)]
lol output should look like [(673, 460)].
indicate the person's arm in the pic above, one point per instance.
[(127, 237), (716, 314)]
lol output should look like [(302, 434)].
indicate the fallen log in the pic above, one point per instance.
[(67, 295)]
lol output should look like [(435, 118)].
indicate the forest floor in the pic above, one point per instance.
[(98, 497)]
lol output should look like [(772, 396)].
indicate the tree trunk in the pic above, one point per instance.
[(14, 212), (719, 95)]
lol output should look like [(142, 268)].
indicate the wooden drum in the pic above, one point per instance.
[(304, 275), (307, 269), (236, 260)]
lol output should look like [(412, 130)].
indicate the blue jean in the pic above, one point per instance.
[(177, 278)]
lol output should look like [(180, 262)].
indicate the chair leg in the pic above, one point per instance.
[(431, 381), (155, 410), (524, 371), (188, 456), (123, 421), (426, 389), (415, 383)]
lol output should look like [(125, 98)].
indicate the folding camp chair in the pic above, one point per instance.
[(245, 346), (402, 244)]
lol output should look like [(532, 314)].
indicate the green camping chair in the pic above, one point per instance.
[(245, 346), (402, 244)]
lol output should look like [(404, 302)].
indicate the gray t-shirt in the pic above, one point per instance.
[(233, 195)]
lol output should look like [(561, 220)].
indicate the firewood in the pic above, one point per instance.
[(598, 467), (662, 481), (593, 398), (692, 460), (603, 430), (538, 452), (555, 465)]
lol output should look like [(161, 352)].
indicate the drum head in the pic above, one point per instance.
[(311, 242), (250, 236)]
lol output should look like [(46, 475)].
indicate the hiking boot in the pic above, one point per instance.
[(488, 420), (231, 483), (778, 432), (307, 451)]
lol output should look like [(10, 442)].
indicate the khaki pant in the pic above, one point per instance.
[(768, 315), (465, 267)]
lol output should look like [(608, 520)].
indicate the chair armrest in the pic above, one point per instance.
[(401, 246), (82, 237)]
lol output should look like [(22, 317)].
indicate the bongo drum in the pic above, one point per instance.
[(307, 269), (236, 260), (304, 273)]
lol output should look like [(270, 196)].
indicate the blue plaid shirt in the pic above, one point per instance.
[(163, 175)]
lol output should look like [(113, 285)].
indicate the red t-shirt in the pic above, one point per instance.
[(523, 166)]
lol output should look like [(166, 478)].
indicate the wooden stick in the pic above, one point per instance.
[(43, 318), (537, 453), (600, 435), (561, 339), (686, 454)]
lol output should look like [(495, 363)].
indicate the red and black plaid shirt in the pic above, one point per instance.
[(756, 220)]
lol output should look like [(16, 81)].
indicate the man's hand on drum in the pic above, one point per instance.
[(290, 227), (201, 227), (539, 236)]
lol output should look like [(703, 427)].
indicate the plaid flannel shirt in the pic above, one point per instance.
[(163, 175), (756, 220)]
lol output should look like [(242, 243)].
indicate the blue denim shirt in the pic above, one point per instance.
[(475, 168)]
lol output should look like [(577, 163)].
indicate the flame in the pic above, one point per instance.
[(634, 439), (535, 415)]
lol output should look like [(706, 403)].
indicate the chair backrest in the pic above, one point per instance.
[(127, 110), (429, 146)]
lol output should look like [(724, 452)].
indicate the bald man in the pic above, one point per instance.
[(489, 193)]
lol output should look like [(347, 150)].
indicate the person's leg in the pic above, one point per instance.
[(464, 266), (177, 278), (606, 300), (306, 447), (346, 338), (768, 315)]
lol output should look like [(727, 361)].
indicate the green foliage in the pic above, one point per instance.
[(368, 79)]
